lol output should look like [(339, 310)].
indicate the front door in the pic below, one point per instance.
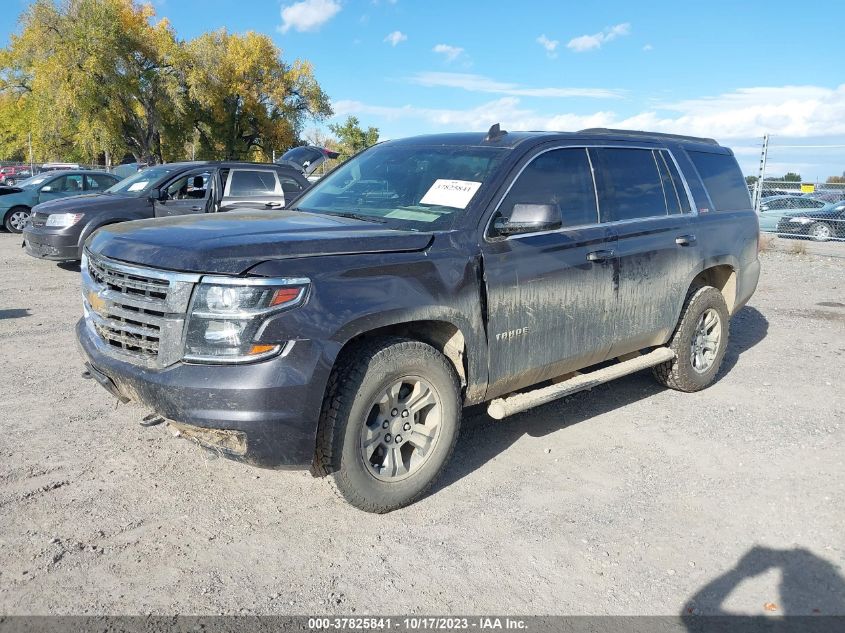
[(550, 295), (61, 187), (188, 193)]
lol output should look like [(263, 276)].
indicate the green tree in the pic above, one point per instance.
[(243, 99), (750, 180), (792, 177), (352, 138), (92, 76)]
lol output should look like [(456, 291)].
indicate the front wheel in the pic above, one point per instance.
[(16, 219), (820, 232), (699, 342), (389, 424)]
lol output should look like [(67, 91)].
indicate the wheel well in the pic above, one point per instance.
[(722, 278), (441, 335), (16, 207)]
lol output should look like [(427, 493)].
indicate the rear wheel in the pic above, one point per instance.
[(389, 423), (16, 219), (699, 342), (820, 231)]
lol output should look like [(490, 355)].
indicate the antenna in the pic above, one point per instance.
[(494, 133)]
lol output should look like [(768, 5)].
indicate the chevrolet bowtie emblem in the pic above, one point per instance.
[(97, 303)]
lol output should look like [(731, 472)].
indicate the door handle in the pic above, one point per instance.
[(685, 240), (273, 205), (196, 207), (599, 256)]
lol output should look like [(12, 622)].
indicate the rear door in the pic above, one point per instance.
[(642, 196), (252, 187), (190, 192), (550, 295)]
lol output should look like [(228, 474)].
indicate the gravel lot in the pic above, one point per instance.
[(630, 499)]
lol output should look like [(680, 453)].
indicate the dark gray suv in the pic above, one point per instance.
[(424, 275)]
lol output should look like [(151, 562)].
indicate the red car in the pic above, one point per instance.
[(10, 174)]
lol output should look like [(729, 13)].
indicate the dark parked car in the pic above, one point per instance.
[(16, 203), (820, 225), (422, 276), (773, 208), (58, 230)]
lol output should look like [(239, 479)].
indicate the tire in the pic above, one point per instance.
[(10, 182), (357, 431), (820, 232), (16, 218), (681, 373)]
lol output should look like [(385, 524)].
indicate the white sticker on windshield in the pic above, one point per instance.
[(137, 186), (451, 193)]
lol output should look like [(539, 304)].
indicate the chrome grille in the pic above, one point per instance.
[(137, 313)]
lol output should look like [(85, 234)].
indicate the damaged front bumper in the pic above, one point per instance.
[(264, 413)]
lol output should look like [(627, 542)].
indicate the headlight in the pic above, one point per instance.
[(226, 315), (64, 219), (800, 220)]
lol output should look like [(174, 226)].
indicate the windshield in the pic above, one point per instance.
[(408, 187), (32, 182), (141, 183)]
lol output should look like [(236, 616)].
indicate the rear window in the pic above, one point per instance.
[(723, 180), (251, 183)]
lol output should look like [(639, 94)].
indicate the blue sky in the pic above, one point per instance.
[(731, 70)]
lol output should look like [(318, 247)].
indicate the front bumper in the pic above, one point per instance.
[(274, 404), (51, 245)]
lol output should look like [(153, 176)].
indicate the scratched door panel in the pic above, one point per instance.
[(654, 271), (550, 309)]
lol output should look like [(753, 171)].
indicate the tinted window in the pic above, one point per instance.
[(290, 187), (67, 184), (252, 183), (723, 180), (560, 177), (98, 182), (677, 182), (629, 185)]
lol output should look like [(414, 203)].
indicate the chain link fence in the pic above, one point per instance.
[(792, 207)]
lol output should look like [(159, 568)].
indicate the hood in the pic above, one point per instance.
[(233, 242), (80, 203)]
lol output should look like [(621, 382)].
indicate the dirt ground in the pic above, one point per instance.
[(629, 499)]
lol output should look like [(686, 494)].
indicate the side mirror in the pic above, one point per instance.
[(158, 195), (529, 218), (46, 188)]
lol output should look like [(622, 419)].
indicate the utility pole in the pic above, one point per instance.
[(31, 163), (758, 189)]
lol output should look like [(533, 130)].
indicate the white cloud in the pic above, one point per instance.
[(396, 37), (549, 45), (585, 43), (648, 47), (308, 15), (451, 53), (786, 111), (479, 83)]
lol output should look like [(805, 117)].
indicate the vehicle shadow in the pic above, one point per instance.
[(482, 438), (809, 585), (14, 313), (72, 267)]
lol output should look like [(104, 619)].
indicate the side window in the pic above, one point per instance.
[(559, 177), (629, 185), (193, 186), (96, 182), (677, 181), (290, 187), (723, 179), (244, 182)]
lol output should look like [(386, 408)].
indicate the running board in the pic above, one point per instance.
[(503, 407)]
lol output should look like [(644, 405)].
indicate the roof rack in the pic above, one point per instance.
[(676, 137)]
